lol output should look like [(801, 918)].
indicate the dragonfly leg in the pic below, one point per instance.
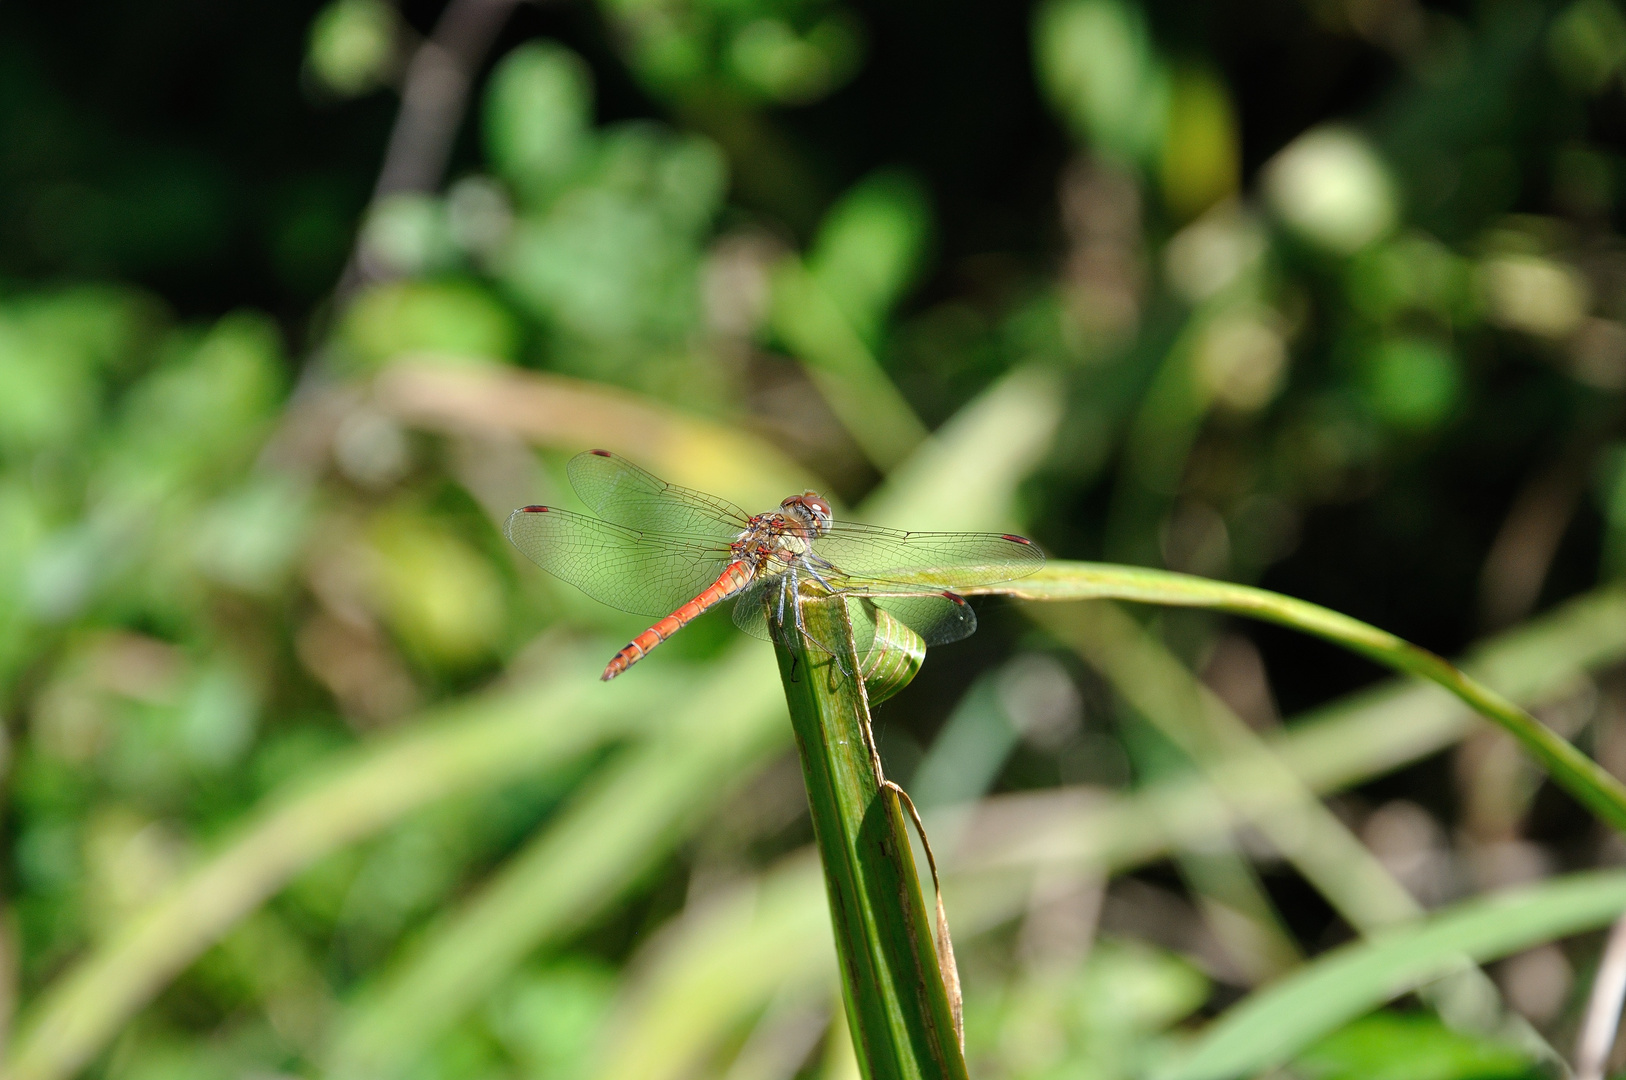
[(794, 588)]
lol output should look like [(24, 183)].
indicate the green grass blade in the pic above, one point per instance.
[(1254, 782), (625, 819), (897, 1006), (1267, 1029), (479, 743), (1578, 774), (710, 972)]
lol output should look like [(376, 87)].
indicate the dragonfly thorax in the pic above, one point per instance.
[(770, 543)]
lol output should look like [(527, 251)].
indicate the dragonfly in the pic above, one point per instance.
[(657, 549)]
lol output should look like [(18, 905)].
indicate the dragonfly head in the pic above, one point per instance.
[(810, 511)]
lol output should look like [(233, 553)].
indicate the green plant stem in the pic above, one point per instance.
[(897, 1005), (1578, 774)]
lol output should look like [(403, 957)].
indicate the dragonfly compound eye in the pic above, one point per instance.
[(811, 510)]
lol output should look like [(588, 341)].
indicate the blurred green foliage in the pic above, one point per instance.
[(1334, 295)]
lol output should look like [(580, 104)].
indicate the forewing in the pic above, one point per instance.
[(620, 492), (877, 561), (635, 571)]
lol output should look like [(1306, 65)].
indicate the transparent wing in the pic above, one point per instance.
[(620, 492), (877, 561), (751, 609), (938, 619), (638, 572)]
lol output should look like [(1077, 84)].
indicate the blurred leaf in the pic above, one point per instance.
[(248, 538), (352, 45), (611, 265), (1093, 1019), (808, 320), (568, 415), (1536, 295), (46, 398), (769, 56), (1414, 382), (441, 596), (408, 233), (608, 835), (709, 973), (450, 320), (198, 417), (1201, 153), (965, 477), (1241, 769), (538, 115), (1273, 1025), (1392, 1046), (1587, 44), (550, 1017), (54, 346), (218, 715), (870, 247), (1097, 62), (1413, 272)]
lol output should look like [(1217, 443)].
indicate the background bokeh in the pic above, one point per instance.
[(307, 773)]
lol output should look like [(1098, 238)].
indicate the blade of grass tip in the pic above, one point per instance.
[(1268, 1028), (897, 1004), (1578, 774), (476, 743)]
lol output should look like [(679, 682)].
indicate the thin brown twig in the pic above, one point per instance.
[(1520, 557), (434, 97)]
